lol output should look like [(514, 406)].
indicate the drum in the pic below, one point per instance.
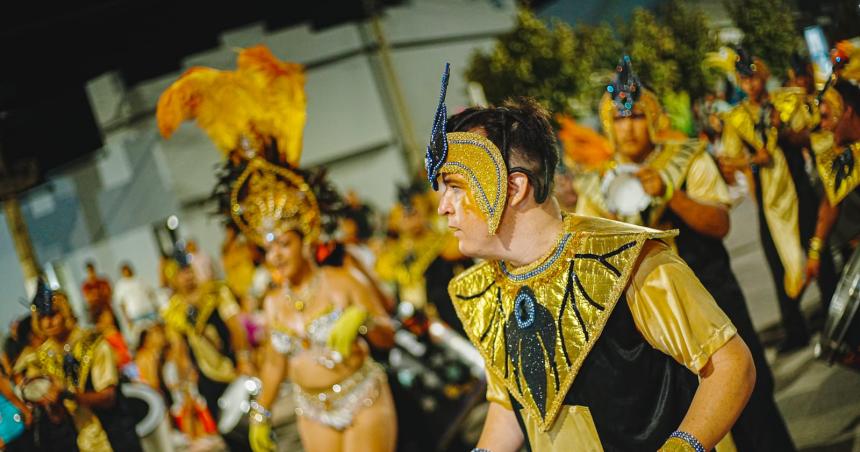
[(840, 340), (623, 191), (146, 406), (236, 402), (35, 389)]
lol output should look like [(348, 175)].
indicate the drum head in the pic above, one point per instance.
[(842, 314), (146, 406), (236, 401), (35, 389), (623, 191)]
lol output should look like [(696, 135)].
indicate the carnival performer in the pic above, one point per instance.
[(836, 146), (316, 315), (686, 192), (205, 317), (420, 261), (83, 409), (591, 330), (751, 144)]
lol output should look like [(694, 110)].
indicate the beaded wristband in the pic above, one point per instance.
[(480, 449), (689, 439), (259, 413)]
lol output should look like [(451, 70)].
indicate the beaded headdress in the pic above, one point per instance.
[(257, 113), (470, 155), (625, 93), (47, 302), (268, 200)]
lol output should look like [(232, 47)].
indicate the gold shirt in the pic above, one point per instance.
[(203, 338), (97, 366), (779, 197), (671, 309), (680, 164)]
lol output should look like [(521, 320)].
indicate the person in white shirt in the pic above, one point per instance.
[(136, 303)]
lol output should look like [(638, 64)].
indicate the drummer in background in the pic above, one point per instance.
[(836, 145), (687, 193), (84, 409), (205, 317)]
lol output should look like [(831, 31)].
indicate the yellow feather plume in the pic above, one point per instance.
[(262, 100)]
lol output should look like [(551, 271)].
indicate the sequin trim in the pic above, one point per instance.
[(543, 267)]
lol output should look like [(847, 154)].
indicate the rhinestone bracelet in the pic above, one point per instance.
[(690, 439), (481, 449), (259, 413)]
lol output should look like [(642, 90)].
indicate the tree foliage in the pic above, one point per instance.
[(769, 30), (566, 67)]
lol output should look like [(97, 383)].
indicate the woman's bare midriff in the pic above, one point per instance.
[(310, 375)]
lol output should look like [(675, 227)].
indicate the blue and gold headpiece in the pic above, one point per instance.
[(43, 300), (624, 94), (470, 155), (626, 89)]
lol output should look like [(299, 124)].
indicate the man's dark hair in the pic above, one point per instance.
[(90, 265), (850, 94), (521, 129)]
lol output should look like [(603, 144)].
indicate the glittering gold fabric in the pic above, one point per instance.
[(481, 163), (838, 167), (674, 313), (599, 255), (202, 337), (677, 445), (779, 197), (269, 200)]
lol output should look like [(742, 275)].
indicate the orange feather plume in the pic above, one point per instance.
[(583, 147)]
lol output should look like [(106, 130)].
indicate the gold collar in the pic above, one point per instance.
[(534, 329)]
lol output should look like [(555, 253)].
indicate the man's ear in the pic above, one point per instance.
[(519, 189)]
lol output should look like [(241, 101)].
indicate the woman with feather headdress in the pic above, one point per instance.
[(318, 317)]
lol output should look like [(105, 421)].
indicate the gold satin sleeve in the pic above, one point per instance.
[(733, 147), (705, 184), (227, 305), (496, 391), (673, 311), (103, 373)]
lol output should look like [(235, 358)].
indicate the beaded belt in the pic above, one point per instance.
[(336, 406)]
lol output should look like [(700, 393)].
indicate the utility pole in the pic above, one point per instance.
[(11, 184), (391, 86)]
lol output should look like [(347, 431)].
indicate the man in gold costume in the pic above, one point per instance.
[(83, 409), (421, 260), (754, 136), (591, 330), (204, 316), (837, 143), (686, 192)]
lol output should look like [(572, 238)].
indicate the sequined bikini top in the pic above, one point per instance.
[(290, 343)]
